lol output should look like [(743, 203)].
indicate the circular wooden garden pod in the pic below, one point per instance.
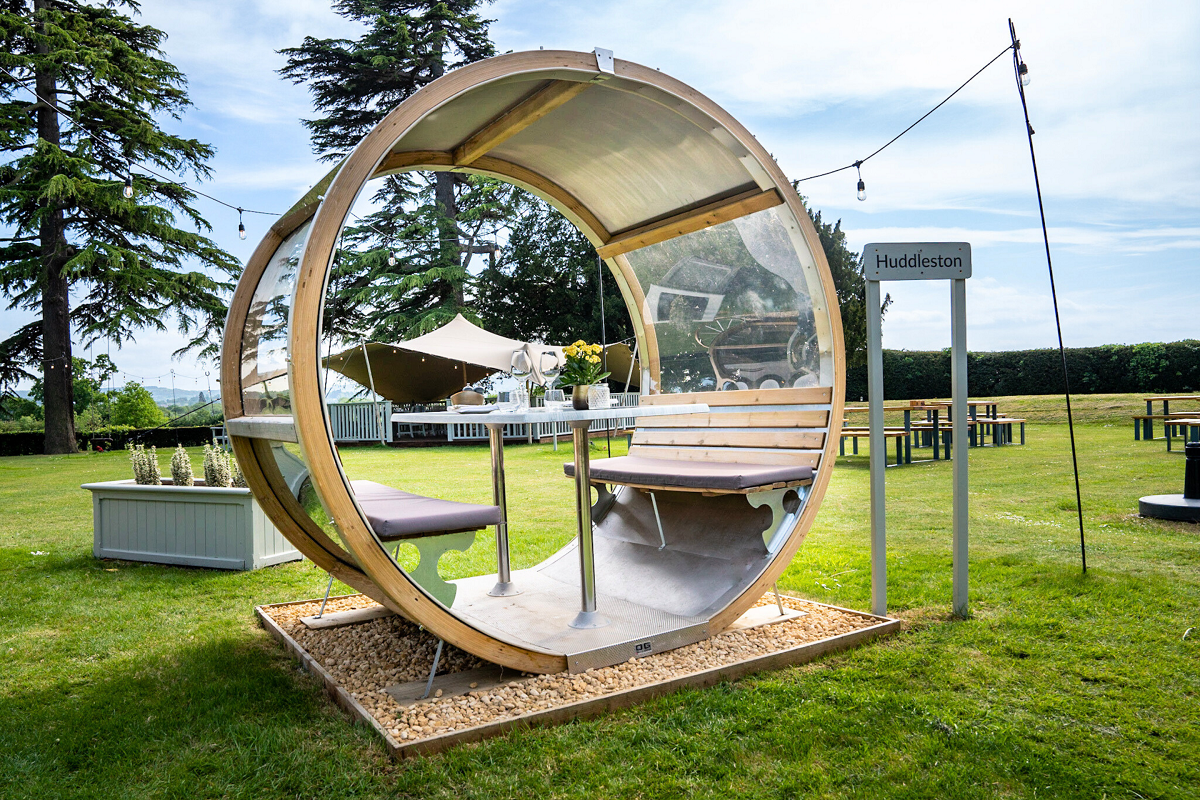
[(733, 305)]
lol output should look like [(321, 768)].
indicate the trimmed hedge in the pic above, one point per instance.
[(28, 443), (1111, 369)]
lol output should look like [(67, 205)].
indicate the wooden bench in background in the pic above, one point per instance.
[(761, 443), (903, 442)]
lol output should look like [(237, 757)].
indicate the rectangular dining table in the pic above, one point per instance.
[(579, 421)]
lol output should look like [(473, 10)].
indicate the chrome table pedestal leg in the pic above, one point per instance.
[(504, 586), (588, 617)]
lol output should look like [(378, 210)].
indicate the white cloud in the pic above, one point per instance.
[(1115, 100)]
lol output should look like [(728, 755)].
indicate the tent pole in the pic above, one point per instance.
[(632, 359), (374, 395), (603, 342)]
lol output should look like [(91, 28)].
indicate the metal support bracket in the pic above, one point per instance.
[(658, 521), (605, 499), (431, 549), (782, 520), (433, 670), (605, 63)]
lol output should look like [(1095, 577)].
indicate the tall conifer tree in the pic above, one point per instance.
[(428, 225), (70, 232)]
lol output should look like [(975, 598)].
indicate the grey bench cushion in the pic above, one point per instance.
[(395, 514), (690, 474)]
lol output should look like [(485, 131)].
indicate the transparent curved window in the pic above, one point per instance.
[(732, 307), (264, 339)]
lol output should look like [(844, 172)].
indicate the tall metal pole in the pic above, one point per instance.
[(958, 403), (1016, 48), (374, 396), (878, 446), (588, 616), (504, 586)]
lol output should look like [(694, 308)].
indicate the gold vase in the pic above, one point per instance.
[(579, 397)]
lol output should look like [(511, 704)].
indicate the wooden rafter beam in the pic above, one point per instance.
[(685, 222), (540, 184), (517, 119)]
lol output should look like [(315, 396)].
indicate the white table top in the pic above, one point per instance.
[(501, 417)]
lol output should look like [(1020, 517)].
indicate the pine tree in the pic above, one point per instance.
[(427, 225), (847, 270), (544, 286), (103, 87)]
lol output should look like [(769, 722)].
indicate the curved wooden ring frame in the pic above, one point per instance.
[(371, 569)]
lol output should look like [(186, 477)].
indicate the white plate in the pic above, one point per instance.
[(475, 409)]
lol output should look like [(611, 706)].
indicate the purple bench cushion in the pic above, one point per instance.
[(394, 514), (690, 474)]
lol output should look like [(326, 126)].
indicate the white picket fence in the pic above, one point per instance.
[(359, 422)]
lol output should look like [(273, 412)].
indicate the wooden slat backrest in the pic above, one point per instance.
[(752, 426)]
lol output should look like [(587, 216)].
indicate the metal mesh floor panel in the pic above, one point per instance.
[(541, 614)]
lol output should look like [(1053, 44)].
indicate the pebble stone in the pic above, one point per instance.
[(367, 657)]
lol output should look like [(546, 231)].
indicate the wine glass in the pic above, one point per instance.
[(550, 364), (521, 368)]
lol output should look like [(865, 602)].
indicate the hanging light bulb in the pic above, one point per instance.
[(1023, 71), (862, 187), (128, 191), (241, 227), (391, 259)]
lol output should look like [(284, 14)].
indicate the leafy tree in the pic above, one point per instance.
[(847, 270), (71, 231), (135, 406), (14, 407), (389, 291), (355, 83), (87, 382), (543, 288)]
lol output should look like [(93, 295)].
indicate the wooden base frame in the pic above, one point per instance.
[(583, 709), (364, 563)]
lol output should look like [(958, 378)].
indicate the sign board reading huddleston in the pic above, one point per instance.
[(916, 261)]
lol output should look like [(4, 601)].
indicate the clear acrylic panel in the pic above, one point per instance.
[(264, 339), (731, 307), (289, 460)]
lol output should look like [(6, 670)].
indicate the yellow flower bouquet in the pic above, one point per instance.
[(583, 367)]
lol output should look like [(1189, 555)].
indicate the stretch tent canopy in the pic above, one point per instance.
[(434, 366)]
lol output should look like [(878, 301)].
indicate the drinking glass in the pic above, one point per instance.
[(521, 368), (550, 364)]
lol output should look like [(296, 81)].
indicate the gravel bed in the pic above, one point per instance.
[(366, 658)]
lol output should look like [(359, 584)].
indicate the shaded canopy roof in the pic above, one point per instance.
[(434, 366)]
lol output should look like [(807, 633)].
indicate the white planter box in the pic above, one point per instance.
[(196, 526)]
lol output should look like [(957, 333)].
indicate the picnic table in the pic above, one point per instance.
[(934, 430), (1143, 424), (1191, 429)]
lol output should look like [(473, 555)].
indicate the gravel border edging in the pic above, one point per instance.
[(581, 709)]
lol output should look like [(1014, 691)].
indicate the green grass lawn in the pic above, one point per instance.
[(125, 680)]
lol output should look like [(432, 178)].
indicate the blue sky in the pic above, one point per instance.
[(1114, 98)]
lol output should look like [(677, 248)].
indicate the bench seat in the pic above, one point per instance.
[(396, 515), (708, 476)]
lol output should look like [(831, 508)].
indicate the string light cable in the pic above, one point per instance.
[(857, 165), (128, 179)]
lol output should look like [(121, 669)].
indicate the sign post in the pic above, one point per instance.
[(908, 261)]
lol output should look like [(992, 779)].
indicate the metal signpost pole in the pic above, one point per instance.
[(918, 261), (958, 399), (878, 454)]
